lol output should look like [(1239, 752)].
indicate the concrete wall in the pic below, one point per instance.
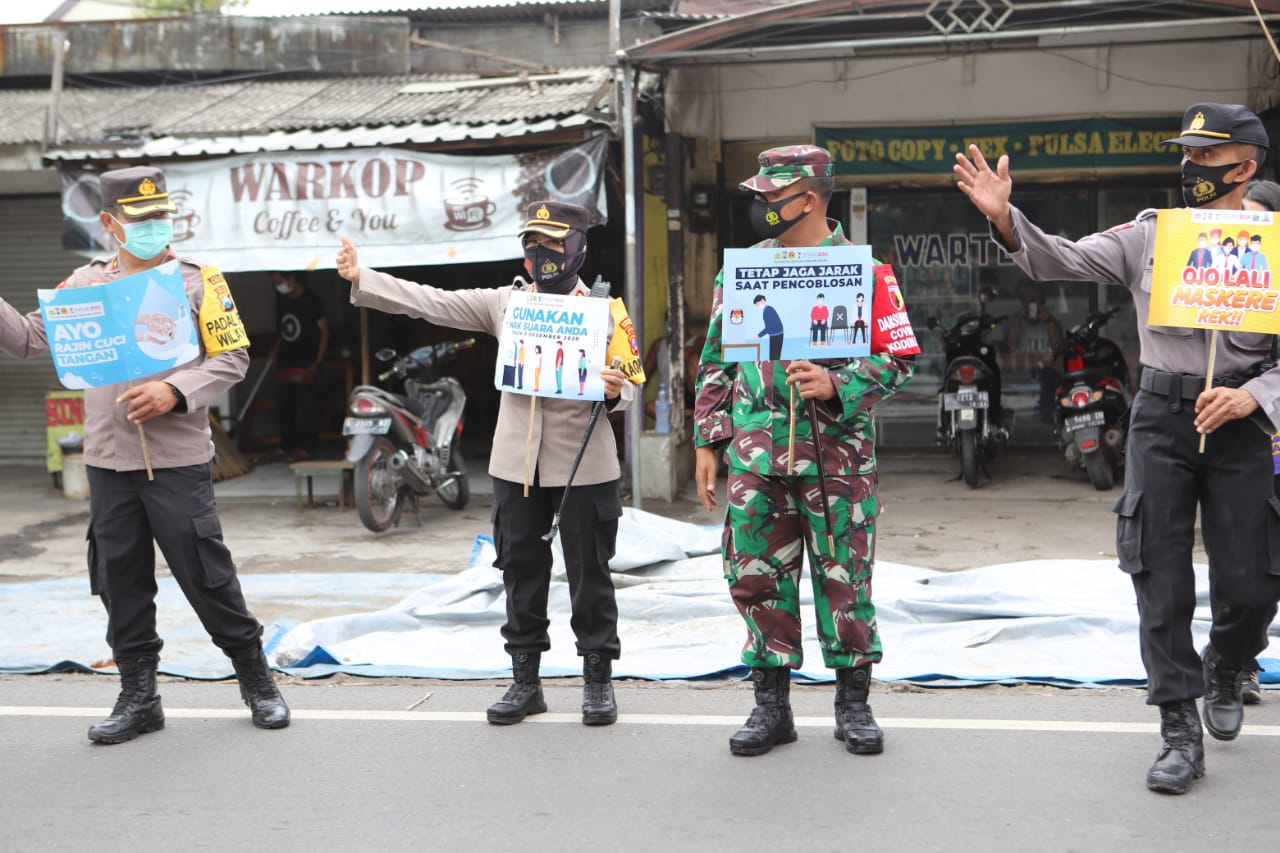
[(563, 43), (208, 44), (783, 101)]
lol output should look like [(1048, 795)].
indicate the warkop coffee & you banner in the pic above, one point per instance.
[(287, 210)]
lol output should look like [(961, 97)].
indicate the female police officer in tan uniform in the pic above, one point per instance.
[(555, 245)]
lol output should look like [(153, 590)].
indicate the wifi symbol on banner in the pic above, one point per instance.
[(470, 208), (468, 186)]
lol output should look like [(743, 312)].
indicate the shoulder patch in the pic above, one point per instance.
[(1123, 226)]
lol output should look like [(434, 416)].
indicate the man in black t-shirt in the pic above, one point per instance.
[(298, 350)]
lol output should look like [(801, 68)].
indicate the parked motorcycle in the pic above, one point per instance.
[(1092, 414), (408, 445), (970, 390)]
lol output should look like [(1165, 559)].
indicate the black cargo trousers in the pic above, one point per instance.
[(176, 510), (1166, 478)]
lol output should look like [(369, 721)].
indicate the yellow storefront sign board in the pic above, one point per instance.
[(1212, 270)]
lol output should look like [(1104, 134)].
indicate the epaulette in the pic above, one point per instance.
[(1141, 217), (518, 283), (183, 259)]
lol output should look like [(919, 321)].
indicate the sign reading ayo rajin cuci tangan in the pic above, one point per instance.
[(1212, 271)]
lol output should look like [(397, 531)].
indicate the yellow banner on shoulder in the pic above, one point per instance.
[(625, 345), (1211, 271), (220, 326)]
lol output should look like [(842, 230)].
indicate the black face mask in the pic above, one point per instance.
[(557, 272), (1204, 184), (766, 216)]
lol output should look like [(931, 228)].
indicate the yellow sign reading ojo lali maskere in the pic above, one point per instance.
[(1212, 270)]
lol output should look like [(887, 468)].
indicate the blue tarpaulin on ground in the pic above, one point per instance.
[(1065, 622)]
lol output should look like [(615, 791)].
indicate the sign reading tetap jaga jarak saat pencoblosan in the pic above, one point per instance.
[(797, 302)]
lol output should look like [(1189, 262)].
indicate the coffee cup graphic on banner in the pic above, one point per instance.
[(185, 220), (571, 177), (470, 209)]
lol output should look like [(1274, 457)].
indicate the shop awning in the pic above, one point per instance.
[(216, 119), (827, 29)]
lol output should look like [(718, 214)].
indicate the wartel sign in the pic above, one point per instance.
[(287, 210)]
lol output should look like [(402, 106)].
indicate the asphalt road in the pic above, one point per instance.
[(411, 765), (400, 764)]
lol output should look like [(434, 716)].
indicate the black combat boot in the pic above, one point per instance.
[(1223, 698), (854, 723), (137, 709), (258, 690), (524, 697), (770, 722), (598, 705), (1250, 690), (1181, 758)]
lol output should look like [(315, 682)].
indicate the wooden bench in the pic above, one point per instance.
[(340, 468)]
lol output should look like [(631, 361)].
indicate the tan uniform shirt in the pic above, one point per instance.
[(174, 439), (558, 425)]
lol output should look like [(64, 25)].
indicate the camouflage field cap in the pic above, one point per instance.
[(1214, 124), (781, 167), (556, 219), (137, 192)]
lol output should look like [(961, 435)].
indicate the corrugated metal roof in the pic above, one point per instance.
[(417, 133), (275, 115), (449, 10)]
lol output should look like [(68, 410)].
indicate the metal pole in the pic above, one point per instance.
[(55, 91), (631, 291), (675, 278)]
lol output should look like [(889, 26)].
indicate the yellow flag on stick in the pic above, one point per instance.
[(623, 343)]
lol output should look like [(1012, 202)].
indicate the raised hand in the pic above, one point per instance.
[(988, 190), (348, 262)]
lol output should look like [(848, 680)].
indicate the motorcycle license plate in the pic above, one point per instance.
[(1088, 419), (366, 426), (965, 400)]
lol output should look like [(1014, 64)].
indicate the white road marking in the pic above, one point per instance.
[(932, 723)]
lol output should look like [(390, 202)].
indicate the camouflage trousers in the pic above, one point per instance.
[(770, 522)]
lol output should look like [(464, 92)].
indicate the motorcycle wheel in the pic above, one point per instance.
[(378, 497), (456, 494), (1101, 474), (969, 457)]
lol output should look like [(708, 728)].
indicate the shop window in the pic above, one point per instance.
[(939, 245)]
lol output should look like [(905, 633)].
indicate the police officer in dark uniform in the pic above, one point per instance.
[(128, 511), (1166, 477)]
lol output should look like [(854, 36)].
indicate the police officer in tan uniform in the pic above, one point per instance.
[(175, 510), (555, 245), (1166, 477)]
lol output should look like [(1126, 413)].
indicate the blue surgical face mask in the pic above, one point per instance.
[(147, 238)]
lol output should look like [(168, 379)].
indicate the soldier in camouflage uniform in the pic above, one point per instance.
[(775, 512)]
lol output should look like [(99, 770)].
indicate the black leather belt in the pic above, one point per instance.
[(1178, 386)]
